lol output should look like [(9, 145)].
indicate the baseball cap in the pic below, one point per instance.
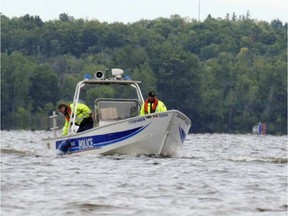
[(152, 94)]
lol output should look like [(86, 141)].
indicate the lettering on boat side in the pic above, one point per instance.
[(85, 143), (162, 115), (101, 140), (137, 120), (158, 115), (73, 144), (183, 118)]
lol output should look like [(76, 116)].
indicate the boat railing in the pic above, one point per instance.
[(101, 80), (54, 122)]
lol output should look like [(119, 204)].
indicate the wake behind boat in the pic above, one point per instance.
[(118, 128)]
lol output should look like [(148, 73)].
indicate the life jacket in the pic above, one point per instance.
[(82, 112), (153, 108), (79, 114)]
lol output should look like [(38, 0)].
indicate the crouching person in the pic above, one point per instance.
[(83, 117)]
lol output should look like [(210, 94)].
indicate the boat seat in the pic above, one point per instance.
[(112, 109), (109, 113)]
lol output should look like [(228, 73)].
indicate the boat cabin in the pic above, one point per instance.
[(111, 99)]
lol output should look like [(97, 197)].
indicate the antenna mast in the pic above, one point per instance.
[(199, 10)]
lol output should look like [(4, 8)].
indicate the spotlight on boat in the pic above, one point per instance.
[(99, 75), (116, 73)]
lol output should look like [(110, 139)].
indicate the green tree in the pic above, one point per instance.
[(225, 74), (44, 87), (16, 71)]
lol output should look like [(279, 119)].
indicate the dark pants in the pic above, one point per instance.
[(86, 124)]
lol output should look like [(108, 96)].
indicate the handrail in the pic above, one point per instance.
[(71, 127), (54, 122), (74, 110)]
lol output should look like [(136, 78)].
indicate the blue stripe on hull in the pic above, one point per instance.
[(99, 141), (182, 134)]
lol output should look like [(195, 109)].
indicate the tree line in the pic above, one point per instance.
[(225, 74)]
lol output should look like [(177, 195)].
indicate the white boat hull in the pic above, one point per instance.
[(157, 134)]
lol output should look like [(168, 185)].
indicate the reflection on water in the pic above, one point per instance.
[(217, 174)]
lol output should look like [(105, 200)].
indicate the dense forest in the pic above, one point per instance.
[(225, 74)]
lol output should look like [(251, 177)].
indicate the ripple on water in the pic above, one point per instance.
[(263, 160), (99, 208)]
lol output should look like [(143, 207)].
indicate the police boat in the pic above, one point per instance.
[(118, 128)]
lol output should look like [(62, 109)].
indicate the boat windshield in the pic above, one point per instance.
[(113, 109)]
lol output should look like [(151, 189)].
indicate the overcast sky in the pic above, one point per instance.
[(134, 10)]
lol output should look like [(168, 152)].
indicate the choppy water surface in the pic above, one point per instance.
[(215, 174)]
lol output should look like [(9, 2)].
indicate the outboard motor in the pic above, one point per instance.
[(64, 147)]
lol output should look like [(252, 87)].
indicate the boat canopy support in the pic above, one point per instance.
[(54, 122)]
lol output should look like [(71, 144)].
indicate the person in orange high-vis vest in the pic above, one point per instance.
[(83, 117), (152, 105)]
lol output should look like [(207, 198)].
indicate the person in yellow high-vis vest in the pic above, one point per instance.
[(152, 105), (83, 117)]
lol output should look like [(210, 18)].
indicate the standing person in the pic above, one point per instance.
[(83, 117), (152, 105)]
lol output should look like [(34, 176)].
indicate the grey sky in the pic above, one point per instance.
[(135, 10)]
